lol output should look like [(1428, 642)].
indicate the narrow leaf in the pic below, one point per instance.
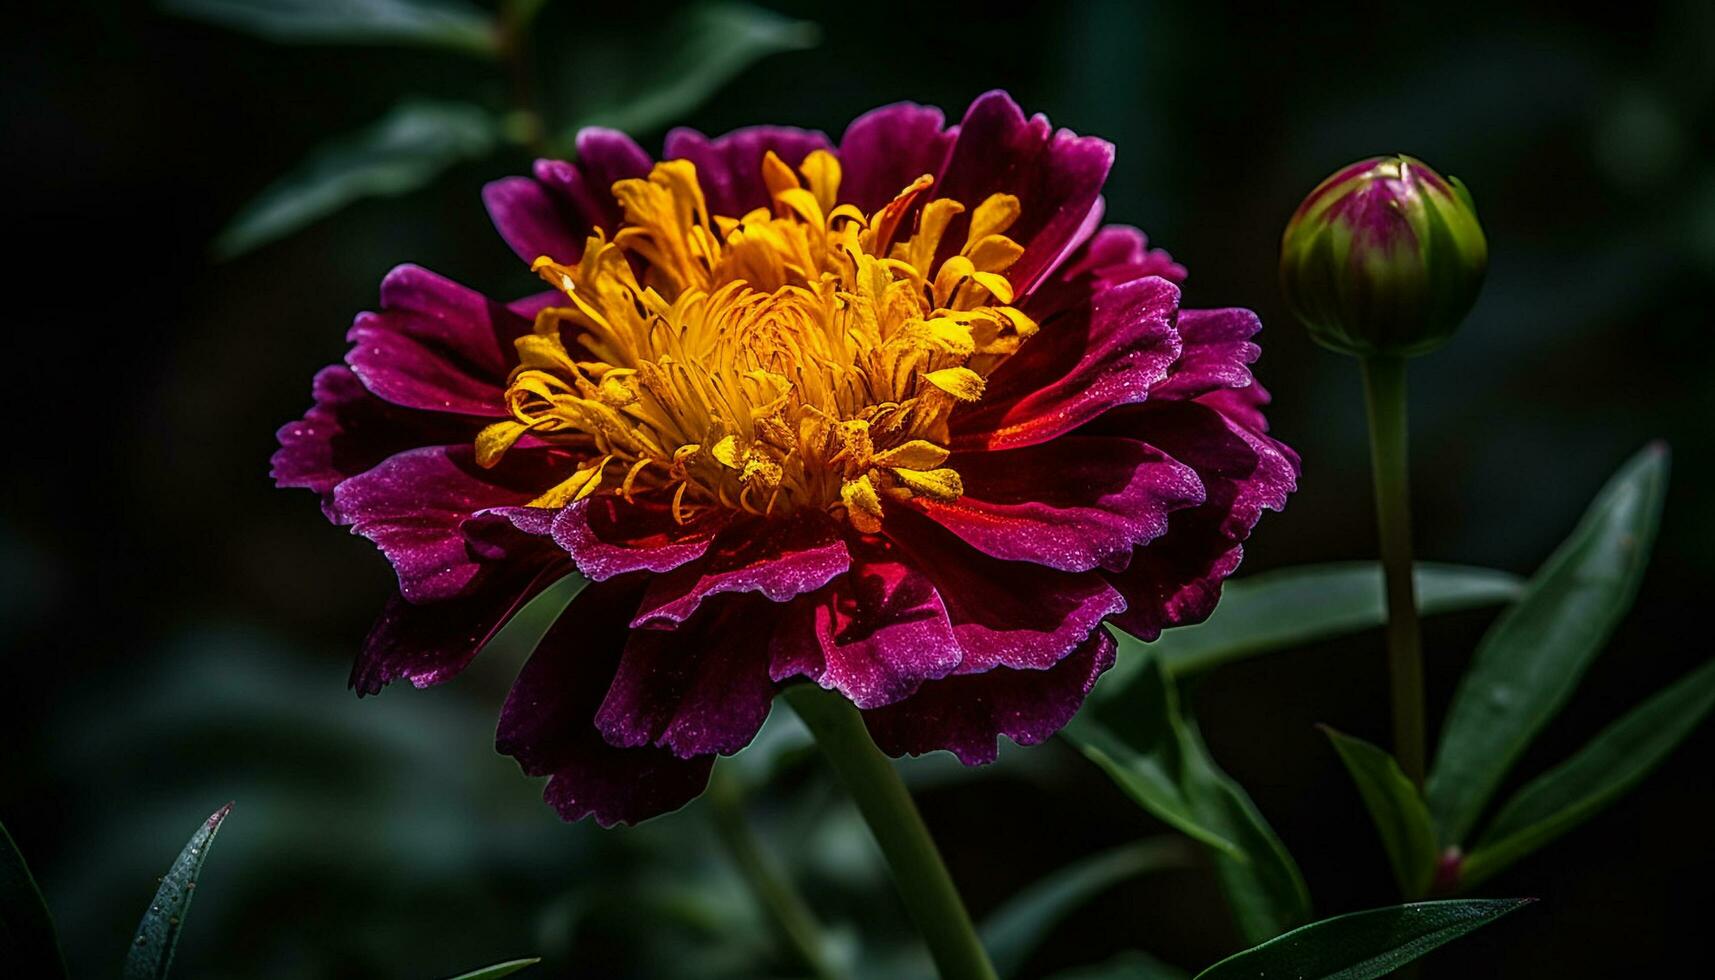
[(1397, 808), (429, 23), (402, 152), (499, 970), (1296, 606), (28, 942), (1362, 945), (1531, 660), (1014, 930), (1613, 762), (1143, 776), (151, 954)]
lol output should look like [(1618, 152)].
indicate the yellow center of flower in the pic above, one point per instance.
[(803, 356)]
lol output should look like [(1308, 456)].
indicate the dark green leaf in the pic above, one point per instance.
[(402, 152), (1295, 606), (151, 954), (27, 939), (431, 23), (1531, 660), (1612, 763), (1131, 965), (1150, 778), (499, 970), (1014, 930), (702, 49), (511, 645), (1397, 809), (1362, 945)]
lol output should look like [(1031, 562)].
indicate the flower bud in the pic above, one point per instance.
[(1384, 257)]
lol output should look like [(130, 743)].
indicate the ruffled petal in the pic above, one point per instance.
[(886, 149), (608, 536), (1076, 503), (730, 167), (436, 345), (548, 722), (1216, 353), (967, 714), (778, 559), (1082, 363), (554, 212)]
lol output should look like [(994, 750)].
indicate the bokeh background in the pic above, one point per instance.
[(176, 633)]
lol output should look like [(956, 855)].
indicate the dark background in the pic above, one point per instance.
[(176, 633)]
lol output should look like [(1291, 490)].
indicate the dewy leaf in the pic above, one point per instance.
[(1363, 945), (1294, 606), (402, 152), (1530, 661), (1612, 763), (27, 940), (499, 970), (151, 954), (430, 23), (1014, 930), (1397, 809), (703, 48)]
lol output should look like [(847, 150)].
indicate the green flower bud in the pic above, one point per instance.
[(1384, 257)]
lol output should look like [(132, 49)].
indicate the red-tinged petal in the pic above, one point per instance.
[(778, 559), (730, 166), (875, 634), (1081, 363), (554, 212), (967, 714), (1217, 353), (608, 536), (436, 345), (1074, 504), (1177, 581), (548, 722), (1244, 406), (886, 149), (1113, 256)]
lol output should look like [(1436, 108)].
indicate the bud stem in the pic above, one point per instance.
[(898, 828), (1384, 397)]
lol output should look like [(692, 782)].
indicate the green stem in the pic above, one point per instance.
[(1384, 396), (798, 926), (898, 828)]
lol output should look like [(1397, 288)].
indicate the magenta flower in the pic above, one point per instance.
[(898, 416)]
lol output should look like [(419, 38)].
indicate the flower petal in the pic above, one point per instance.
[(608, 536), (730, 167), (886, 149), (1217, 353), (553, 213), (778, 559)]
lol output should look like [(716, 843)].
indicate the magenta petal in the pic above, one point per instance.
[(436, 345), (1217, 353), (555, 212), (1057, 177), (875, 634), (966, 714), (780, 560), (548, 725), (608, 536), (1082, 363), (413, 504), (730, 166), (1077, 503), (886, 149), (530, 219), (697, 690)]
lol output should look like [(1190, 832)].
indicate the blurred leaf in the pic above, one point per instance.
[(402, 152), (1151, 779), (1295, 606), (1530, 661), (431, 23), (499, 970), (511, 645), (1013, 931), (1397, 809), (27, 938), (701, 49), (151, 954), (1363, 945), (1131, 965), (1612, 763)]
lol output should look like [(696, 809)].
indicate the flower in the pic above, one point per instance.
[(898, 416), (1384, 257)]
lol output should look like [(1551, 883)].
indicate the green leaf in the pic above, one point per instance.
[(402, 152), (1130, 965), (702, 49), (429, 23), (1151, 779), (151, 954), (499, 970), (1013, 931), (1295, 606), (513, 643), (28, 942), (1397, 809), (1531, 660), (1612, 763), (1362, 945)]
